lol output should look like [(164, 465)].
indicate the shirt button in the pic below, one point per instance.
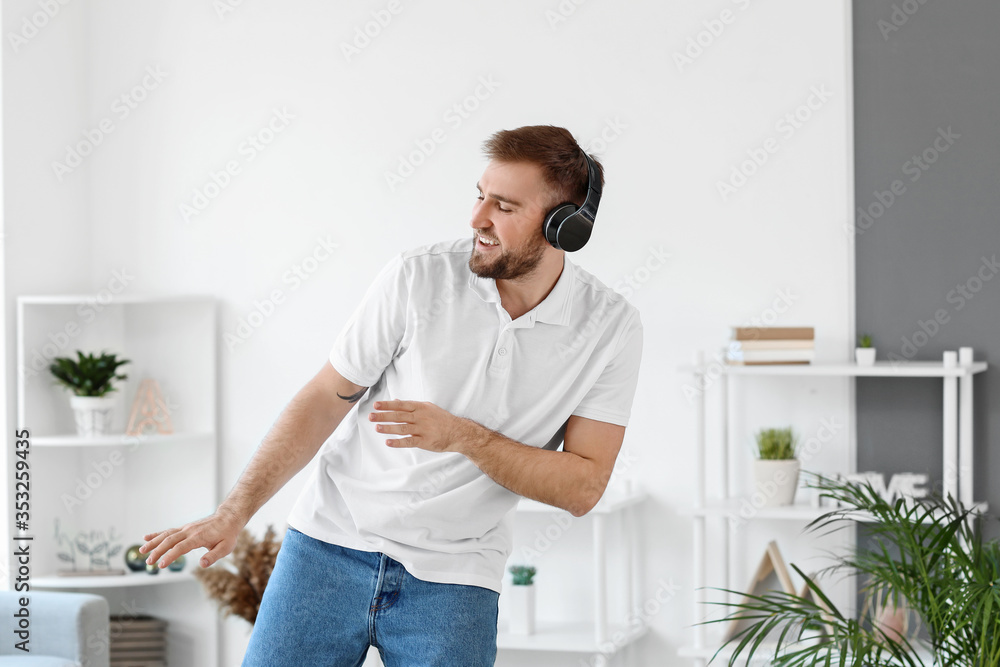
[(502, 351)]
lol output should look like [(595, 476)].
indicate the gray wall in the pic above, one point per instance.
[(920, 68)]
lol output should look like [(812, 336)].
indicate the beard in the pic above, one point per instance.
[(508, 264)]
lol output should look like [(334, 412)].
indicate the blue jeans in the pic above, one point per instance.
[(324, 605)]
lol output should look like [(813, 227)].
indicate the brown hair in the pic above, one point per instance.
[(554, 150)]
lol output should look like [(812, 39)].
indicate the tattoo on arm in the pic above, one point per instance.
[(354, 398)]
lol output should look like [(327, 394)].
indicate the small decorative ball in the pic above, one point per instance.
[(152, 568), (136, 561), (178, 564)]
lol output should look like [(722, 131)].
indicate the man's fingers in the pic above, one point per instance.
[(408, 441), (395, 429), (394, 416), (404, 406)]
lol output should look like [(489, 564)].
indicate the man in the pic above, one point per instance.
[(469, 363)]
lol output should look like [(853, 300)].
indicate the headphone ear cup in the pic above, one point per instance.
[(554, 221)]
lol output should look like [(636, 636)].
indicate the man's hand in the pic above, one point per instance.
[(426, 426), (216, 532), (573, 479)]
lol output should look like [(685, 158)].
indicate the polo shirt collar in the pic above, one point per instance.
[(554, 308)]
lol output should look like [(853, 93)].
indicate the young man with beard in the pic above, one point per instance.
[(469, 363)]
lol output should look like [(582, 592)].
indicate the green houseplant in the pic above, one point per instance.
[(864, 353), (776, 470), (929, 555), (522, 599), (91, 378)]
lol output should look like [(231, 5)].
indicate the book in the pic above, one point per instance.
[(782, 344), (771, 355), (773, 333)]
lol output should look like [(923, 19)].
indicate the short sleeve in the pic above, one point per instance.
[(610, 399), (370, 339)]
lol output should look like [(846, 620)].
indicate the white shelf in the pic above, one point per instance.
[(569, 638), (120, 439), (844, 369), (74, 299), (610, 503), (114, 581), (761, 657), (800, 511)]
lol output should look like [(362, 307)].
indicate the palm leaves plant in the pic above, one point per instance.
[(929, 555), (88, 375)]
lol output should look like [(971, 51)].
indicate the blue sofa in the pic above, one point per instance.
[(66, 630)]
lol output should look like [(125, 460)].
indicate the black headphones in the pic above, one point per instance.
[(567, 227)]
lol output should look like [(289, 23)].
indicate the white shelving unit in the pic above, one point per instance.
[(133, 484), (956, 371), (602, 639)]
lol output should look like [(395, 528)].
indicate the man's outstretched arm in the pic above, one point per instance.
[(573, 479), (301, 428)]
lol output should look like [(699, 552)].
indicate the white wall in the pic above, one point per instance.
[(680, 130)]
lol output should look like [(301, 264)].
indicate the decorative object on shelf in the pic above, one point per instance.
[(522, 598), (776, 470), (90, 378), (754, 346), (905, 485), (152, 568), (149, 411), (864, 353), (137, 641), (177, 564), (134, 559), (771, 572), (931, 556), (237, 582), (95, 545)]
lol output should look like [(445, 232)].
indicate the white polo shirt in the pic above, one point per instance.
[(429, 329)]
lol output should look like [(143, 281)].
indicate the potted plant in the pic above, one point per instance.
[(522, 596), (91, 379), (864, 353), (776, 470), (929, 557)]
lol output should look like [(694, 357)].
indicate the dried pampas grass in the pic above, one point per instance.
[(237, 582)]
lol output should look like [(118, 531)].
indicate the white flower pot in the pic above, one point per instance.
[(522, 609), (865, 356), (775, 482), (93, 414)]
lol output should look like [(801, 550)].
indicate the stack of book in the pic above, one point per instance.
[(771, 345)]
